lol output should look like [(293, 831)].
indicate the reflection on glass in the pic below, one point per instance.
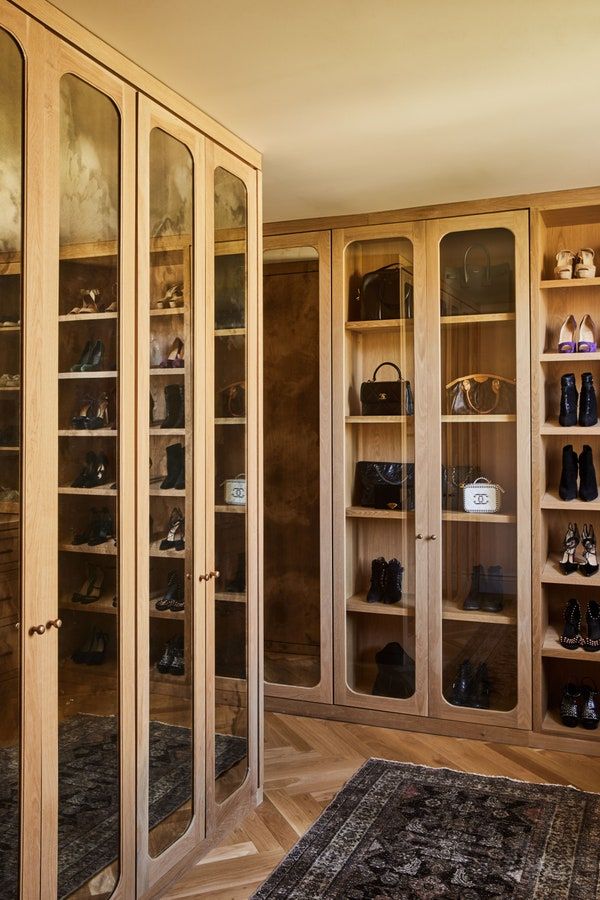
[(292, 588), (88, 485), (478, 401), (231, 287), (171, 515), (11, 190), (380, 477)]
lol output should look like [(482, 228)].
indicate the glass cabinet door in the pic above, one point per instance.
[(480, 297), (380, 485), (11, 298), (297, 466)]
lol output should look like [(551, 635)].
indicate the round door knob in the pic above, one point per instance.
[(54, 623), (433, 537), (418, 537), (37, 629)]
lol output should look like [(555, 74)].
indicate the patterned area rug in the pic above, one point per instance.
[(88, 831), (411, 832)]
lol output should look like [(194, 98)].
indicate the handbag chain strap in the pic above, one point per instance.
[(386, 480)]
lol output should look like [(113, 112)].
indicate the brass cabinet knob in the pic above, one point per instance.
[(208, 576), (418, 537), (54, 623), (433, 537), (37, 629)]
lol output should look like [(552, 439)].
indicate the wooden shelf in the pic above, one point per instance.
[(107, 549), (367, 512), (166, 492), (156, 551), (88, 250), (174, 311), (567, 283), (358, 604), (551, 574), (104, 605), (10, 449), (226, 508), (10, 390), (229, 332), (569, 358), (487, 518), (379, 326), (553, 650), (227, 597), (87, 432), (74, 376), (551, 427), (551, 500), (9, 329), (481, 319), (101, 491), (88, 317), (379, 420), (166, 432), (230, 420), (481, 420), (168, 372), (453, 611), (552, 724)]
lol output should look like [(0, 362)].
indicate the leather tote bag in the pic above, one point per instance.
[(386, 398), (379, 295), (233, 400), (477, 286), (481, 395), (385, 485)]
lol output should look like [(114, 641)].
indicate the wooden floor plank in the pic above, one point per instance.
[(308, 760)]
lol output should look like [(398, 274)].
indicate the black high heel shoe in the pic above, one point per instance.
[(85, 353), (170, 594), (588, 539), (591, 642), (569, 705), (589, 715), (102, 529), (570, 544), (85, 477), (571, 636), (175, 539)]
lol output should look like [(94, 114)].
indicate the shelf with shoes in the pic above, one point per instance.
[(358, 604), (379, 420)]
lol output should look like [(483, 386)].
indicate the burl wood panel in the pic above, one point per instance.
[(291, 476)]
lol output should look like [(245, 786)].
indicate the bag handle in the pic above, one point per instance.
[(393, 365), (495, 390), (488, 267), (480, 377), (487, 481)]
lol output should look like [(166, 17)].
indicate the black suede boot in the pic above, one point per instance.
[(174, 464), (568, 401), (588, 408), (588, 486), (492, 593), (395, 672), (377, 586), (172, 406), (473, 598), (393, 582), (567, 489)]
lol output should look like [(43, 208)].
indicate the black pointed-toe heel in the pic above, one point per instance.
[(170, 593), (570, 544), (571, 636), (86, 476), (83, 359), (94, 361), (590, 565)]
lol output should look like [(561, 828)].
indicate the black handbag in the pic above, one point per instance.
[(230, 291), (379, 295), (385, 485), (233, 400), (481, 395), (477, 287), (386, 398), (453, 479)]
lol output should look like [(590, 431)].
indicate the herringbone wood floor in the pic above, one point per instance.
[(306, 763)]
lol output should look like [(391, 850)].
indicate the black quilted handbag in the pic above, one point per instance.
[(385, 485), (386, 398)]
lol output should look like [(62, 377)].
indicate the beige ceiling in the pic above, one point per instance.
[(362, 106)]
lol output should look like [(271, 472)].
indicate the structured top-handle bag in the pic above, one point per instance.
[(481, 395), (386, 398), (379, 294), (477, 287)]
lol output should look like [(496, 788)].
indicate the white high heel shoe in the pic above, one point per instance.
[(587, 335), (566, 338), (564, 264), (584, 266)]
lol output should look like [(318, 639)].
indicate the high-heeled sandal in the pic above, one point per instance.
[(570, 544), (571, 637), (172, 299), (89, 305), (566, 339), (101, 419), (91, 587), (588, 539), (584, 264), (113, 305), (79, 421), (175, 539), (589, 715), (175, 358), (587, 335), (591, 642), (564, 264)]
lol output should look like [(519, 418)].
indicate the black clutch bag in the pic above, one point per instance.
[(453, 479), (386, 398), (385, 485)]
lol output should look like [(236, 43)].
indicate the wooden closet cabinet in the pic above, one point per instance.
[(129, 502)]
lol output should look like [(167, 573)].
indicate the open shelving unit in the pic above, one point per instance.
[(555, 228)]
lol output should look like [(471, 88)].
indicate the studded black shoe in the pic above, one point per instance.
[(377, 586), (165, 662), (591, 642), (571, 636), (393, 582), (170, 593), (569, 705)]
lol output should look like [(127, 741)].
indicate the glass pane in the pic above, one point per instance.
[(88, 488), (231, 290), (11, 200), (380, 476), (479, 528), (170, 423), (292, 586)]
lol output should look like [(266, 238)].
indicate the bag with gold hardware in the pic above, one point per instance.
[(481, 395), (386, 398), (233, 400), (481, 496), (385, 485)]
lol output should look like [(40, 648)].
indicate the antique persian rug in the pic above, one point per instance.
[(402, 832)]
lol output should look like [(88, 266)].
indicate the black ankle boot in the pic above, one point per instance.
[(395, 672), (174, 405), (588, 408), (175, 458), (393, 582), (473, 598), (377, 586), (492, 591), (588, 486), (567, 489), (568, 401), (482, 688), (462, 686)]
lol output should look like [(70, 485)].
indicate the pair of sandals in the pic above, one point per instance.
[(90, 304), (567, 342), (10, 381), (575, 265), (172, 299)]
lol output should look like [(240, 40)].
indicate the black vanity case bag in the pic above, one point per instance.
[(380, 293), (477, 286), (385, 485), (386, 398)]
